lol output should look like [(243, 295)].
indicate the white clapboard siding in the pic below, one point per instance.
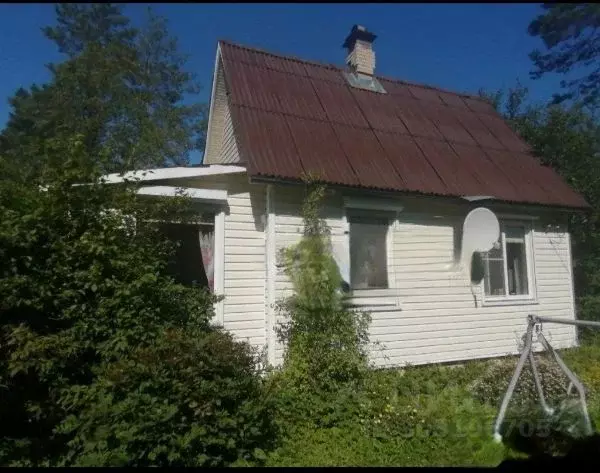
[(438, 319), (245, 296)]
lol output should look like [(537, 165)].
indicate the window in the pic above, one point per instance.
[(507, 271), (368, 250), (192, 263)]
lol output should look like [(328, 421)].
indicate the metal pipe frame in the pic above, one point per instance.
[(527, 354), (580, 323), (574, 382), (538, 385), (528, 338)]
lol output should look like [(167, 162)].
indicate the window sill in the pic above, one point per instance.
[(375, 300), (376, 307), (508, 301)]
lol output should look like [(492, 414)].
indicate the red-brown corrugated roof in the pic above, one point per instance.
[(292, 116)]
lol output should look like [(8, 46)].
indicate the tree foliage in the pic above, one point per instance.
[(104, 358), (121, 88), (571, 36)]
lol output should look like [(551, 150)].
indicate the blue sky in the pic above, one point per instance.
[(455, 46)]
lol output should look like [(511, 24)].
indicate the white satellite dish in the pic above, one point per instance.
[(481, 230)]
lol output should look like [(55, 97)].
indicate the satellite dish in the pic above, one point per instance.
[(481, 230)]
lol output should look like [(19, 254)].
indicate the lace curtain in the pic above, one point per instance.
[(207, 245)]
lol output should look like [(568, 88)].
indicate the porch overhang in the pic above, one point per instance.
[(213, 196)]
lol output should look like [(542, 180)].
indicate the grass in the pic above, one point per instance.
[(426, 416)]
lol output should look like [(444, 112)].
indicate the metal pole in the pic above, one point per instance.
[(574, 381), (538, 385), (513, 382), (581, 323)]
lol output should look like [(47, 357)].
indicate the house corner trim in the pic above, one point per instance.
[(270, 252)]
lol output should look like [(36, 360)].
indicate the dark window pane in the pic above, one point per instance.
[(514, 232), (494, 278), (493, 265), (186, 265), (495, 252), (368, 253), (516, 265)]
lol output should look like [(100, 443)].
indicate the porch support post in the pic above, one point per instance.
[(219, 256)]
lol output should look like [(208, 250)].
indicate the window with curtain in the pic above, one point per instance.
[(193, 261), (368, 251)]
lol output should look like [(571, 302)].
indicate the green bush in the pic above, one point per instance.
[(192, 398), (491, 386), (91, 325), (401, 420)]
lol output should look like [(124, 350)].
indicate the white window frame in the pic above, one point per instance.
[(519, 299), (374, 298)]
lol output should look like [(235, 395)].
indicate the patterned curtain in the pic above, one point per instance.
[(207, 245)]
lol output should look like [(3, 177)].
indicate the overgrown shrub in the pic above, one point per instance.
[(419, 416), (326, 355), (104, 358), (192, 398), (491, 386)]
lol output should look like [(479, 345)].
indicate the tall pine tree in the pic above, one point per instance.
[(120, 87)]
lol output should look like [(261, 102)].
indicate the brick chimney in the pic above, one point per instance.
[(361, 57)]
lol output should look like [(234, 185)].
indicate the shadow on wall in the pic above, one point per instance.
[(258, 204)]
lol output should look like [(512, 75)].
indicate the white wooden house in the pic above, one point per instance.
[(404, 163)]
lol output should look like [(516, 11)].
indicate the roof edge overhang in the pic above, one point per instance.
[(459, 200), (159, 174)]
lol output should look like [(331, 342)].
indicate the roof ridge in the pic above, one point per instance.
[(340, 69), (279, 55)]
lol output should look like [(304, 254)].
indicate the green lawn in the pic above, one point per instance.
[(429, 416)]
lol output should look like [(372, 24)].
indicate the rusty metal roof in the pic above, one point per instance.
[(292, 116)]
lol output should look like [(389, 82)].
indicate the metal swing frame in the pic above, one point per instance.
[(535, 325)]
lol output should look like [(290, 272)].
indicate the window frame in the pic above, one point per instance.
[(517, 299), (373, 297), (383, 217)]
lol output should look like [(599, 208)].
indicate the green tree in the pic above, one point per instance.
[(104, 358), (121, 88), (571, 35)]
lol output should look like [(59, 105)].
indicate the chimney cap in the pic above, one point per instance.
[(358, 32)]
